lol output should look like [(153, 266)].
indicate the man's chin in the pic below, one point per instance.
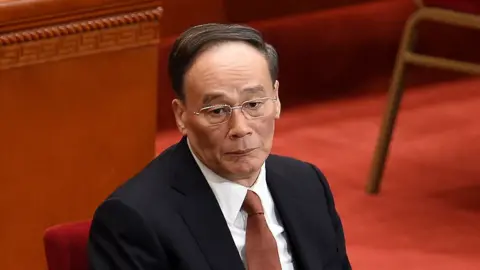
[(242, 169)]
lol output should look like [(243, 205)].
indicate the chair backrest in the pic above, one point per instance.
[(66, 246)]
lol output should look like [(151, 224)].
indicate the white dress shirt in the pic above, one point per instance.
[(230, 197)]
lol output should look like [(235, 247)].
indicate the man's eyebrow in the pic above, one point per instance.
[(254, 89), (207, 99)]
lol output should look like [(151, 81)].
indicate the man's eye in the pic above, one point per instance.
[(217, 111), (253, 104)]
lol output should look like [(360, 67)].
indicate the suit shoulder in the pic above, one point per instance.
[(295, 168), (288, 162), (150, 183), (291, 166), (299, 171)]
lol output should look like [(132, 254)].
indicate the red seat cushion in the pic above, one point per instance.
[(467, 6), (66, 246)]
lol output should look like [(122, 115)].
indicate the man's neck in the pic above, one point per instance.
[(248, 181)]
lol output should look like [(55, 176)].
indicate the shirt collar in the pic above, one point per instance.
[(230, 195)]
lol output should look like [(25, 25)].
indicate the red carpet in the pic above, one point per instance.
[(428, 213)]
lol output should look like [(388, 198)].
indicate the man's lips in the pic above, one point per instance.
[(241, 152)]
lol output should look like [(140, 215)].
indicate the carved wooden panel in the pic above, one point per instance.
[(77, 118), (78, 39)]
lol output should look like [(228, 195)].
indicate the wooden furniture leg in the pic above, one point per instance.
[(394, 99)]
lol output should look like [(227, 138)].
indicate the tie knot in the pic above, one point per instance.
[(252, 204)]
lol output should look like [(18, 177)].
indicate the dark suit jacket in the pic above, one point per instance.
[(167, 217)]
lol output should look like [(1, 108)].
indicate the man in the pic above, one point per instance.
[(218, 199)]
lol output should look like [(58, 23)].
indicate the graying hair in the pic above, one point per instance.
[(199, 38)]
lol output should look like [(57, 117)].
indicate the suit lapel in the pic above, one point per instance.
[(202, 214), (308, 231)]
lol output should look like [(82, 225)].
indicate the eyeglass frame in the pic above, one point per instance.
[(232, 108)]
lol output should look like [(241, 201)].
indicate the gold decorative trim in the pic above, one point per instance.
[(59, 42)]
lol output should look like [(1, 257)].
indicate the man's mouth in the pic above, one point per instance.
[(241, 152)]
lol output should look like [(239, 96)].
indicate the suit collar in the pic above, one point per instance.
[(201, 212), (298, 207), (229, 195)]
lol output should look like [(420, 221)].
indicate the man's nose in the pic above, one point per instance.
[(238, 125)]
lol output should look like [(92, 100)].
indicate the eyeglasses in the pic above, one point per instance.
[(255, 108)]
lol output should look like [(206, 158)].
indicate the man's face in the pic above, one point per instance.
[(230, 73)]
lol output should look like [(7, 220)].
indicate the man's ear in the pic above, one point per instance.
[(180, 114), (278, 103)]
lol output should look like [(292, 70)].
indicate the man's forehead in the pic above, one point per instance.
[(229, 51), (228, 71)]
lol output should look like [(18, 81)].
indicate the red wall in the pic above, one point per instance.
[(249, 10), (181, 14)]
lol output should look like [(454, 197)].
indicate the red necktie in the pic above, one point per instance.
[(260, 245)]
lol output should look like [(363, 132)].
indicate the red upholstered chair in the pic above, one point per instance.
[(461, 13), (465, 6), (66, 246)]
